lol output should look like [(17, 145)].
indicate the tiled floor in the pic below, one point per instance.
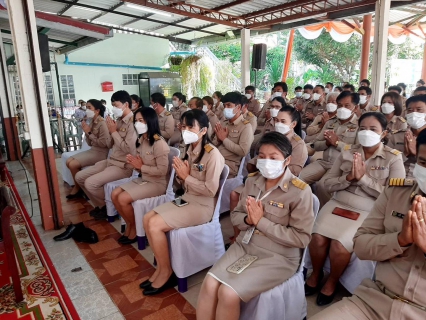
[(107, 287)]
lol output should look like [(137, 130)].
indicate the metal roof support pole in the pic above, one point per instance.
[(381, 31), (366, 39), (245, 58), (25, 42), (288, 54), (424, 62)]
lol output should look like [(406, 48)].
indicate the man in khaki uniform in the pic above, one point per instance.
[(253, 103), (248, 115), (394, 235), (234, 136), (179, 108), (298, 92), (165, 118), (315, 107), (337, 134), (122, 142), (364, 102), (280, 90)]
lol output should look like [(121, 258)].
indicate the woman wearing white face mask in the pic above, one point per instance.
[(217, 104), (179, 108), (391, 107), (357, 178), (279, 206), (152, 162), (97, 136), (199, 174), (136, 102)]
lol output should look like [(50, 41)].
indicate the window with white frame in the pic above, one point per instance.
[(67, 87), (130, 79)]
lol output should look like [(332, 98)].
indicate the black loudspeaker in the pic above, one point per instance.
[(258, 60), (43, 41)]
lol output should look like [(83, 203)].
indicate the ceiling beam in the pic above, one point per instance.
[(164, 25), (118, 5), (231, 4), (200, 29), (136, 19), (288, 5), (62, 11)]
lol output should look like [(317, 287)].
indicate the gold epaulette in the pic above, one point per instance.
[(347, 147), (208, 148), (157, 137), (395, 152), (374, 109), (246, 121), (250, 114), (400, 182), (395, 131), (253, 174), (100, 119), (297, 138), (299, 183), (167, 113), (402, 119)]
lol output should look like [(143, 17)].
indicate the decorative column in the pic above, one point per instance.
[(245, 58), (287, 60), (366, 40)]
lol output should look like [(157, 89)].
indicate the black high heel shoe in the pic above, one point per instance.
[(310, 291), (146, 284), (323, 300), (151, 291), (127, 240), (78, 195)]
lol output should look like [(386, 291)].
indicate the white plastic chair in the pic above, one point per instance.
[(66, 173), (303, 135), (142, 207), (195, 248), (247, 160), (288, 299), (230, 185)]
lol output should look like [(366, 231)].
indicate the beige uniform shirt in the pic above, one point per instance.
[(167, 124), (397, 124), (123, 141), (249, 116), (314, 108), (237, 145), (177, 112), (401, 270), (261, 118), (155, 159), (396, 140), (254, 106), (346, 132), (213, 119), (315, 128), (218, 110), (99, 138)]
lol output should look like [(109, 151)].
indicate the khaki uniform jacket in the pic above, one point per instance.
[(346, 132), (213, 119), (99, 138), (314, 128), (396, 140), (401, 270), (123, 141), (397, 124), (261, 118), (177, 112), (249, 116), (237, 145), (254, 106), (218, 110), (314, 108), (155, 159), (167, 124)]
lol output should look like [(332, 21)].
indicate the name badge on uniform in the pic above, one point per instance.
[(149, 152), (199, 167), (123, 129), (398, 215), (234, 131), (378, 168), (276, 204), (351, 130)]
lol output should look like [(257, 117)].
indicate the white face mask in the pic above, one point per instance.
[(248, 95), (419, 173), (150, 106), (331, 107), (343, 113), (282, 128), (205, 108), (175, 103), (316, 96), (416, 120), (327, 90), (189, 137), (387, 108), (362, 99), (274, 112), (140, 127), (84, 108), (278, 94), (214, 100), (306, 96), (117, 112), (270, 169), (299, 94), (368, 138), (228, 113), (90, 114)]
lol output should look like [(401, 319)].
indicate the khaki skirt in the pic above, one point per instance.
[(339, 228), (139, 189), (199, 210), (90, 157)]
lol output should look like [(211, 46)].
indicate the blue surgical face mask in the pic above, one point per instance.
[(228, 113)]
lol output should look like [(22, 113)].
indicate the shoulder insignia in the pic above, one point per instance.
[(374, 109), (253, 174), (246, 121), (395, 152), (400, 182), (100, 119), (250, 114), (347, 147), (157, 137), (299, 183), (402, 119), (297, 138), (395, 131), (208, 148), (167, 113)]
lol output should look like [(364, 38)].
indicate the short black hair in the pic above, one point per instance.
[(367, 89), (121, 96), (218, 94), (365, 81), (422, 88), (397, 101), (419, 98), (138, 100), (250, 88), (98, 106), (180, 96), (233, 97), (402, 85), (395, 88), (277, 140), (103, 101), (421, 81), (281, 84), (308, 87), (320, 86), (350, 87), (421, 139), (298, 88), (378, 115), (338, 88), (159, 98), (198, 102), (151, 119), (330, 83), (354, 97)]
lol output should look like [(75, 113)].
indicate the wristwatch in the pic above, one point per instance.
[(245, 221)]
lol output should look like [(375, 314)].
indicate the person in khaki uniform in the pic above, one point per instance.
[(152, 161), (338, 134), (278, 206), (364, 100), (123, 142), (199, 175), (391, 107), (405, 140), (253, 105), (356, 180), (97, 137), (165, 118), (280, 90), (315, 107), (249, 116), (208, 109), (298, 92), (179, 107), (234, 136), (217, 104), (320, 120), (393, 235)]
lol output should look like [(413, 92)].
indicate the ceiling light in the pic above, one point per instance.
[(132, 6), (87, 9)]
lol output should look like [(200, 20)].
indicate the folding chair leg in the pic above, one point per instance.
[(123, 228), (142, 243), (182, 285)]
